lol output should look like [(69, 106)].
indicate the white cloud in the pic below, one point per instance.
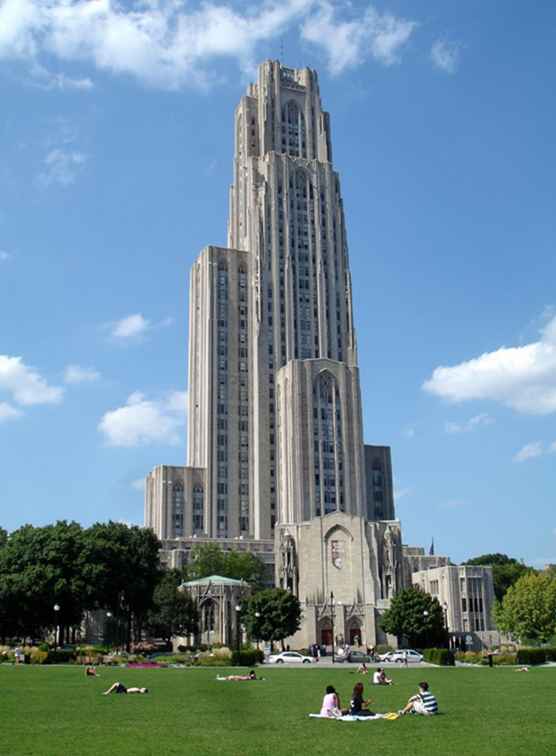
[(170, 43), (523, 378), (25, 385), (529, 451), (61, 167), (469, 425), (142, 421), (408, 432), (8, 412), (45, 79), (4, 256), (131, 327), (159, 42), (78, 374), (138, 484), (552, 448), (348, 43), (135, 327), (445, 55)]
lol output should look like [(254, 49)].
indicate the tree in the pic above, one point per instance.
[(417, 617), (279, 615), (122, 569), (39, 568), (505, 571), (528, 610), (210, 559), (174, 612)]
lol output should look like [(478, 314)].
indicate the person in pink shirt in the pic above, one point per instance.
[(330, 703)]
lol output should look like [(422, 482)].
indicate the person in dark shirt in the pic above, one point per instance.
[(119, 687), (358, 706)]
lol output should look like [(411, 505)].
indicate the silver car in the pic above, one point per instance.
[(289, 657)]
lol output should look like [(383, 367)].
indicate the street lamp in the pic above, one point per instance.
[(332, 623), (238, 632), (56, 608), (257, 617)]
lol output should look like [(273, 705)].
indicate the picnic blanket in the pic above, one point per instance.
[(351, 718)]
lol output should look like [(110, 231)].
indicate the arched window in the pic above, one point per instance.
[(178, 506), (198, 510), (293, 130), (328, 445)]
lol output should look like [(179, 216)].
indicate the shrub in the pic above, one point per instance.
[(441, 656), (531, 656), (504, 659), (245, 658), (57, 657), (469, 657), (212, 661), (39, 656), (550, 654)]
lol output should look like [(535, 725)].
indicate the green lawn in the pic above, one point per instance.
[(56, 711)]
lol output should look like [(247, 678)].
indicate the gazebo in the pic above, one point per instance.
[(218, 600)]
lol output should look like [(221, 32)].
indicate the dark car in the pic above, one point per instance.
[(355, 657)]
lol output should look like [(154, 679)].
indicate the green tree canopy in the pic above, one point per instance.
[(505, 570), (174, 612), (210, 559), (528, 610), (271, 615), (417, 617)]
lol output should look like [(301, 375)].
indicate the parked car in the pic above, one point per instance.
[(289, 657), (401, 655), (355, 657)]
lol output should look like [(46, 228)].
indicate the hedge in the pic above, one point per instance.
[(441, 656), (247, 658), (531, 656)]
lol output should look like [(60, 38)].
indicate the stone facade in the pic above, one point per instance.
[(344, 570), (466, 593), (218, 600)]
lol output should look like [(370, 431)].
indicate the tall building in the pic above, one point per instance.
[(275, 432)]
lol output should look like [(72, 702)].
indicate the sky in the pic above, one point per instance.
[(116, 139)]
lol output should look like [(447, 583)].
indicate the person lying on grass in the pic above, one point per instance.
[(91, 672), (358, 707), (423, 703), (331, 703), (240, 678), (379, 678), (119, 687)]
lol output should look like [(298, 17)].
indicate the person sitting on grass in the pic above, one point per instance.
[(379, 677), (240, 678), (119, 687), (358, 707), (423, 703), (330, 703), (91, 672), (362, 669)]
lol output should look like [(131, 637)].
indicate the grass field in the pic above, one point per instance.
[(56, 711)]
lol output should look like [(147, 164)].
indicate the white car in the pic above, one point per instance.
[(289, 657), (401, 655)]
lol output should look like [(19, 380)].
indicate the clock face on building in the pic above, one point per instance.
[(337, 551)]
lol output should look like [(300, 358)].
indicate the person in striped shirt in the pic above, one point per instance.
[(423, 703)]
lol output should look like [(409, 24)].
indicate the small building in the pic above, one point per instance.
[(415, 560), (218, 600), (466, 594)]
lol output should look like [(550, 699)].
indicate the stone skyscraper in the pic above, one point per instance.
[(275, 436)]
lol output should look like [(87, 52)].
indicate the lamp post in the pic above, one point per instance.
[(238, 630), (332, 623), (56, 608), (257, 617)]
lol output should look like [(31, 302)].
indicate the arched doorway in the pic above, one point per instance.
[(325, 632), (355, 633)]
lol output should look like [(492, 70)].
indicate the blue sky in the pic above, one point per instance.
[(115, 161)]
